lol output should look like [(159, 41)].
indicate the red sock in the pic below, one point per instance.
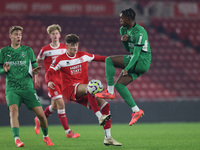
[(48, 111), (93, 102), (63, 118), (105, 110)]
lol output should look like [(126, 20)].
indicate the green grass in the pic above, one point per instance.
[(160, 136)]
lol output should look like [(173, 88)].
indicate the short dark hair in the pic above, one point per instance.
[(71, 38), (13, 28), (130, 13)]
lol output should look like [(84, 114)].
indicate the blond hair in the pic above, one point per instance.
[(13, 28), (53, 27)]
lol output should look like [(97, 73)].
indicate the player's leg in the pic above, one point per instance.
[(81, 92), (63, 118), (53, 94), (110, 64), (32, 102), (43, 124), (105, 110), (14, 122), (14, 100), (121, 84)]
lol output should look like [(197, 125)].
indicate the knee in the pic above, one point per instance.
[(54, 107), (118, 86), (14, 114), (42, 117), (61, 106), (107, 59)]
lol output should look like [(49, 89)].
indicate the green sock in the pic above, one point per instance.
[(110, 71), (15, 131), (45, 131), (125, 94)]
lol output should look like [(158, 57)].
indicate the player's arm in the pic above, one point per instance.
[(139, 43), (37, 81), (40, 58), (4, 67), (135, 56), (124, 38), (1, 69), (50, 75), (49, 78), (36, 68), (99, 58)]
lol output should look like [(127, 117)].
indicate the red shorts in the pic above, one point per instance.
[(70, 94), (55, 93)]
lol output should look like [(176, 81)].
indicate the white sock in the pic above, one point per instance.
[(45, 136), (50, 109), (107, 133), (67, 131), (110, 89), (16, 138), (135, 109), (98, 114)]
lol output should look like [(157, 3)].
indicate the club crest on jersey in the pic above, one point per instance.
[(56, 93), (23, 55)]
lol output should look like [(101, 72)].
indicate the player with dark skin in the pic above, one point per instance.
[(135, 40)]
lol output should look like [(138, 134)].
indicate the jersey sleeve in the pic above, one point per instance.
[(139, 39), (124, 43), (135, 56), (1, 63), (99, 58), (56, 64), (33, 58), (51, 75), (41, 55)]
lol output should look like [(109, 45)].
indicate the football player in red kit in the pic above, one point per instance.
[(48, 53), (73, 66)]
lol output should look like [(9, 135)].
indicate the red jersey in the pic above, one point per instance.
[(73, 69), (48, 53)]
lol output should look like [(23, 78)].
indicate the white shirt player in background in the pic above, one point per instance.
[(47, 54)]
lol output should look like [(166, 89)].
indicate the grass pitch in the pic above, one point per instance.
[(160, 136)]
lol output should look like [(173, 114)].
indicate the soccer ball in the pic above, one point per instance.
[(95, 86)]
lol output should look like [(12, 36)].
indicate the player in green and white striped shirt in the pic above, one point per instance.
[(17, 62), (135, 40)]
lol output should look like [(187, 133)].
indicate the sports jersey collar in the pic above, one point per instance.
[(15, 49), (54, 47), (70, 56), (133, 26)]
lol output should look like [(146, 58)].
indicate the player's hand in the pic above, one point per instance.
[(51, 85), (37, 81), (125, 73), (36, 70), (124, 37), (6, 67)]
